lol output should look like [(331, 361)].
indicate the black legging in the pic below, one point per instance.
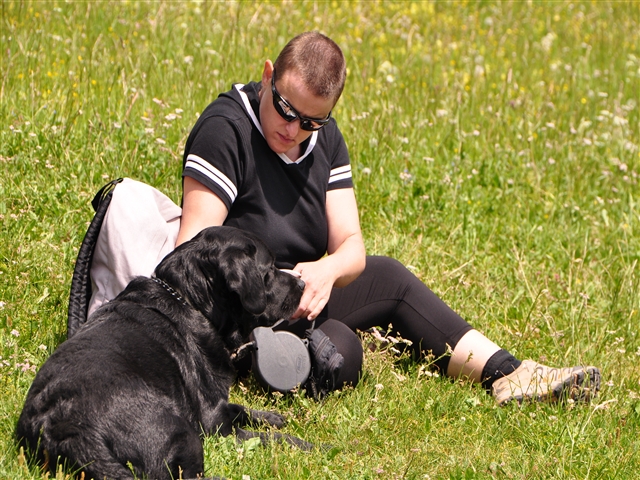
[(387, 293)]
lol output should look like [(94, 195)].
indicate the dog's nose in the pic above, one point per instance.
[(301, 284)]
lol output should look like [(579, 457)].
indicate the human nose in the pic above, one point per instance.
[(293, 128)]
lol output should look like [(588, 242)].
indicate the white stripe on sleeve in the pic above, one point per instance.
[(197, 163), (340, 173)]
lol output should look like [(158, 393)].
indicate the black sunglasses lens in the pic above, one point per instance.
[(309, 125), (283, 109), (313, 125), (286, 111)]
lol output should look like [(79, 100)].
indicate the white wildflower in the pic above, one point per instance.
[(405, 176), (547, 41), (619, 121), (387, 68)]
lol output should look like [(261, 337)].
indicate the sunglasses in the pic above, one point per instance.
[(290, 114)]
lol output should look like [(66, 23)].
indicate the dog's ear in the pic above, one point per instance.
[(245, 278)]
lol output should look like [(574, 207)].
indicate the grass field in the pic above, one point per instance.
[(495, 149)]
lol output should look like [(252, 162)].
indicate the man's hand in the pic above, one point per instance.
[(319, 278)]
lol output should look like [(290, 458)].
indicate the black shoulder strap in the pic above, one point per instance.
[(80, 293)]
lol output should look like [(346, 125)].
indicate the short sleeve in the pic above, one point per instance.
[(213, 158), (340, 174)]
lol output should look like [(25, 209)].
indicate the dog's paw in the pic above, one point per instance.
[(298, 442), (268, 418), (265, 438)]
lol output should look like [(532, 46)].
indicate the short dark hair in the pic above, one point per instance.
[(320, 62)]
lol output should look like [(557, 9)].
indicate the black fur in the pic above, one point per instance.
[(133, 389)]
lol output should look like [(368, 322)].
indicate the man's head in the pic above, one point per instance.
[(318, 60), (306, 81)]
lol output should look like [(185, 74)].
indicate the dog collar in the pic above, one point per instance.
[(169, 289)]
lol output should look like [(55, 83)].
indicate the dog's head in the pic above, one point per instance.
[(229, 275)]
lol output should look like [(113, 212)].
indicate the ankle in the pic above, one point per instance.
[(500, 364)]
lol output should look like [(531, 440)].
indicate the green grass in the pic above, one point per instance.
[(495, 148)]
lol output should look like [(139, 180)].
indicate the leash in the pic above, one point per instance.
[(242, 350)]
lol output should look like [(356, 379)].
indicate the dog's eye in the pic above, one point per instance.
[(266, 277)]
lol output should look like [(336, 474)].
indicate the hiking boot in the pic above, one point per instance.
[(537, 382)]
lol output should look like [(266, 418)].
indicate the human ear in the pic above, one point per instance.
[(267, 73)]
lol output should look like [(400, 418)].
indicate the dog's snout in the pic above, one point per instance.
[(301, 283)]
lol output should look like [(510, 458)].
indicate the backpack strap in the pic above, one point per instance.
[(80, 293)]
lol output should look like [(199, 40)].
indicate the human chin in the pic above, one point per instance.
[(277, 143), (281, 143)]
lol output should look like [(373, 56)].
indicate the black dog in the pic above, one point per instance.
[(133, 389)]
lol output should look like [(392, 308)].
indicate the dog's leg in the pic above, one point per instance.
[(206, 478), (243, 416), (265, 438)]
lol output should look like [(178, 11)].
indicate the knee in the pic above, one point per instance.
[(387, 265), (349, 346), (389, 268), (393, 272)]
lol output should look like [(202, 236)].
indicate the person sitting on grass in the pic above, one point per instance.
[(269, 158)]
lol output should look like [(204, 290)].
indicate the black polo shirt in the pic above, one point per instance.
[(266, 193)]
